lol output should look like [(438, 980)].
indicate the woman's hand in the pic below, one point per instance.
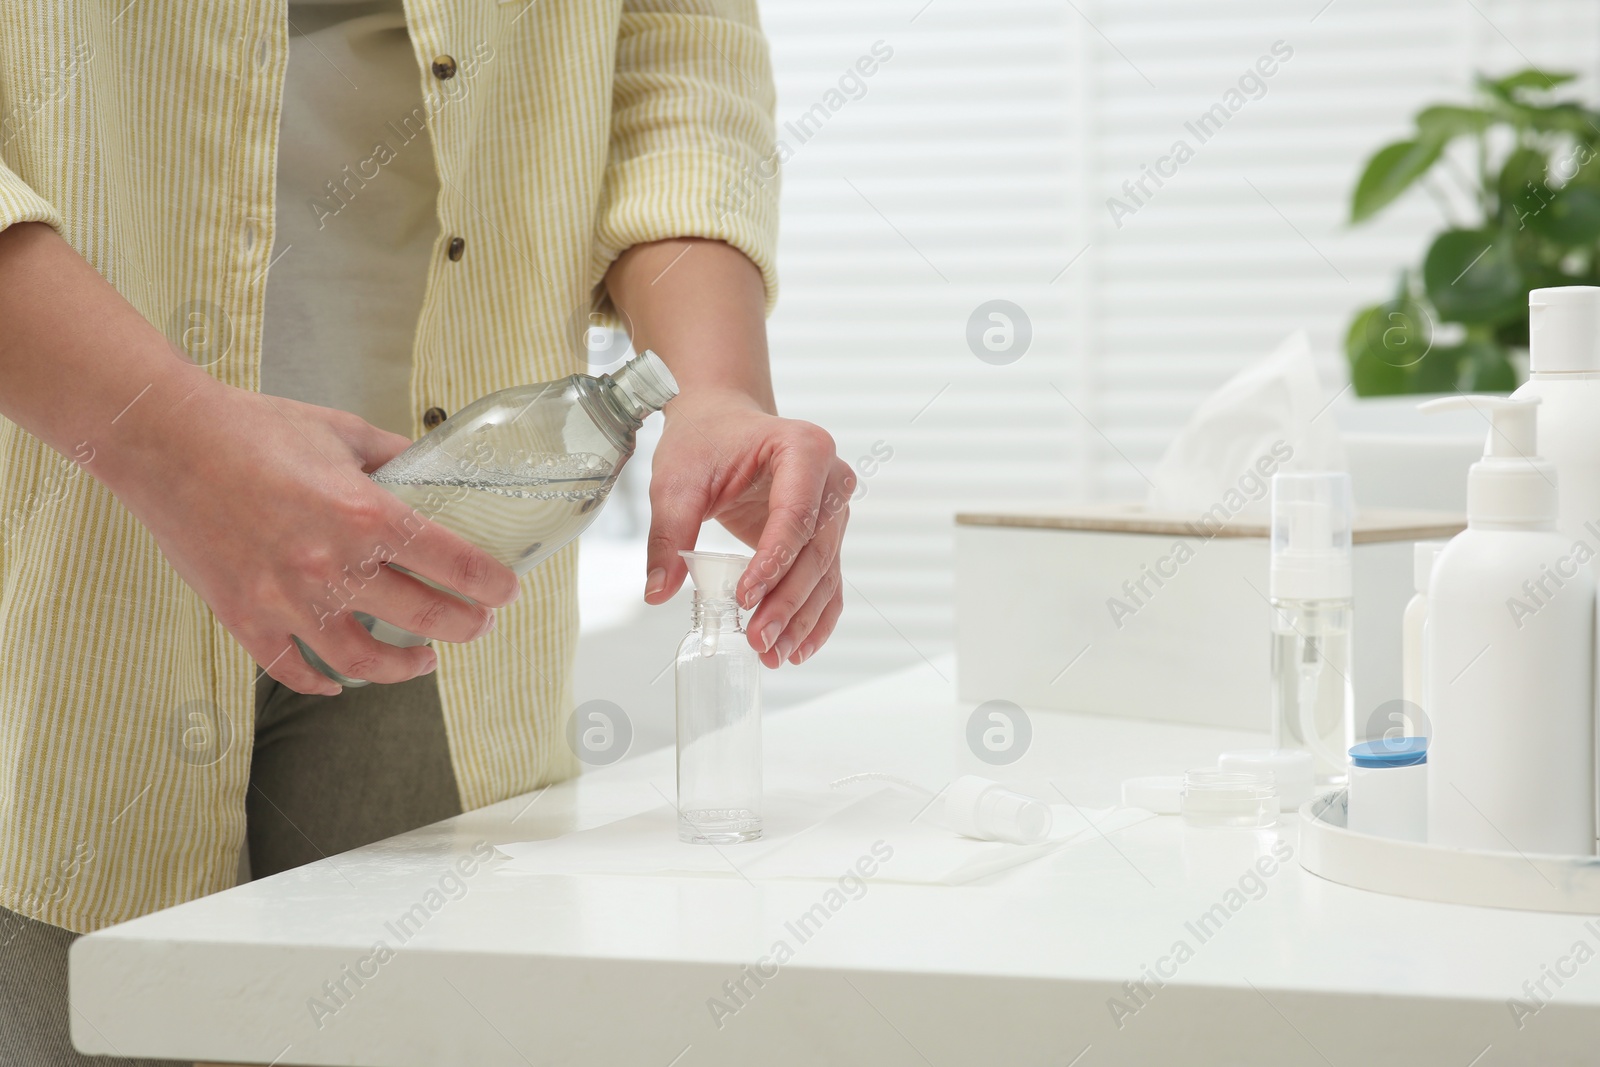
[(263, 506), (775, 483), (778, 486)]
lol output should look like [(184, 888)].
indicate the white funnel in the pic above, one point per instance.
[(715, 574)]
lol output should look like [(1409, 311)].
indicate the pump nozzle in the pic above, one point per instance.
[(1512, 423), (715, 574), (1511, 484)]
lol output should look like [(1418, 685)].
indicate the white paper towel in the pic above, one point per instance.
[(1271, 416), (815, 835)]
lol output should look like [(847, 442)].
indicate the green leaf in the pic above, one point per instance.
[(1388, 346), (1486, 368), (1514, 334), (1370, 374), (1471, 276), (1578, 164), (1390, 172), (1399, 332), (1533, 79), (1572, 218), (1566, 118), (1444, 121), (1522, 188), (1372, 377), (1439, 371)]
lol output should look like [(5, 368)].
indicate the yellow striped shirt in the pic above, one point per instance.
[(145, 131)]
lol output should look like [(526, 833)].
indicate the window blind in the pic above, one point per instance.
[(978, 162)]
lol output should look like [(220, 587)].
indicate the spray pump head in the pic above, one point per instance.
[(1511, 485), (1312, 515), (715, 574)]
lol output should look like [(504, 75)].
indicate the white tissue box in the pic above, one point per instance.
[(1114, 610)]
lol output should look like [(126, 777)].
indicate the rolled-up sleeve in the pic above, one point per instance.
[(19, 203), (692, 136)]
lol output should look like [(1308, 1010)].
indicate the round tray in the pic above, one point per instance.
[(1525, 881)]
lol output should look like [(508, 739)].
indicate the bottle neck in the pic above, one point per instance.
[(1512, 494), (1536, 525), (621, 407), (716, 614), (638, 387)]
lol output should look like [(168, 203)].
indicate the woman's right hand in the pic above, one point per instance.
[(261, 504), (264, 507)]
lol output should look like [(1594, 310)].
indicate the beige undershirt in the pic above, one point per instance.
[(350, 261)]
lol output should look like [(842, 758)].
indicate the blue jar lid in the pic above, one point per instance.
[(1390, 752)]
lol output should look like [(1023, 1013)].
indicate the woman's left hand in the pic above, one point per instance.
[(776, 484)]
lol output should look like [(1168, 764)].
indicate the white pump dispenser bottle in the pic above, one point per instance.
[(1511, 657), (1564, 375)]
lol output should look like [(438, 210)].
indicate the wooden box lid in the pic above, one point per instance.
[(1371, 525)]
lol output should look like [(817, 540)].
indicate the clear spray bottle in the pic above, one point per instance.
[(719, 711), (1310, 589)]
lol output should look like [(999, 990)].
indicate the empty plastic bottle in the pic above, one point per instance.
[(719, 711)]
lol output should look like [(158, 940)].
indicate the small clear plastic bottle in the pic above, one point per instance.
[(1313, 701), (719, 711)]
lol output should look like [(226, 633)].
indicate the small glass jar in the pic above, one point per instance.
[(1232, 800)]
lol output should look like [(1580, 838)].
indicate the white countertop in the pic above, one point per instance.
[(1020, 968)]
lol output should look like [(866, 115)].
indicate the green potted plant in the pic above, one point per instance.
[(1536, 198)]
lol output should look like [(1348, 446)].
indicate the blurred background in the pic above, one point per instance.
[(995, 153)]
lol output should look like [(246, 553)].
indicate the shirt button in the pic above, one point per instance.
[(433, 417), (444, 67), (458, 245)]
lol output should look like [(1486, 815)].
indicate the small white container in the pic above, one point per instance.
[(1389, 788), (1291, 770), (1222, 800)]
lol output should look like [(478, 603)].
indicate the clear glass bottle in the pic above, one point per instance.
[(520, 472), (1313, 700), (719, 711)]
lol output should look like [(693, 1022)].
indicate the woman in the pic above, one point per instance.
[(246, 252)]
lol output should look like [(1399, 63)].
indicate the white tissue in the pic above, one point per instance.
[(1269, 417)]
